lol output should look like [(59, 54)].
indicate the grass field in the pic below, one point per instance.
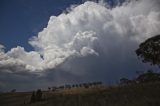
[(132, 95)]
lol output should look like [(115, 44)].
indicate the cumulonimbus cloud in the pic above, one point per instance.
[(88, 29)]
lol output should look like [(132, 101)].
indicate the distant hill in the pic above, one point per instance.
[(145, 94)]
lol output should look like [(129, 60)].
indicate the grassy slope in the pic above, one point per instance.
[(135, 95)]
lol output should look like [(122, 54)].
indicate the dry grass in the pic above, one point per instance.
[(133, 95)]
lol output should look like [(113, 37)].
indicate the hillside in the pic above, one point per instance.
[(147, 94)]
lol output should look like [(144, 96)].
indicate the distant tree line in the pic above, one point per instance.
[(37, 96), (81, 85), (145, 77)]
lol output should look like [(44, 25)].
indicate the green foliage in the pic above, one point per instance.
[(149, 76), (146, 77), (149, 50)]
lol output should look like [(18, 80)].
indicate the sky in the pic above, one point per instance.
[(21, 19), (52, 42)]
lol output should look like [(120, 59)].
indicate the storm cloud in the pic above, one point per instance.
[(91, 40)]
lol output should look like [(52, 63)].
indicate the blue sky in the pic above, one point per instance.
[(21, 19)]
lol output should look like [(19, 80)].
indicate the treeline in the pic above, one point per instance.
[(37, 96), (146, 77), (81, 85)]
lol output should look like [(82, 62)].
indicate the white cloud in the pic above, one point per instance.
[(1, 48), (86, 30), (32, 60)]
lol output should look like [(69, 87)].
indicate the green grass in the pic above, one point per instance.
[(134, 95)]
